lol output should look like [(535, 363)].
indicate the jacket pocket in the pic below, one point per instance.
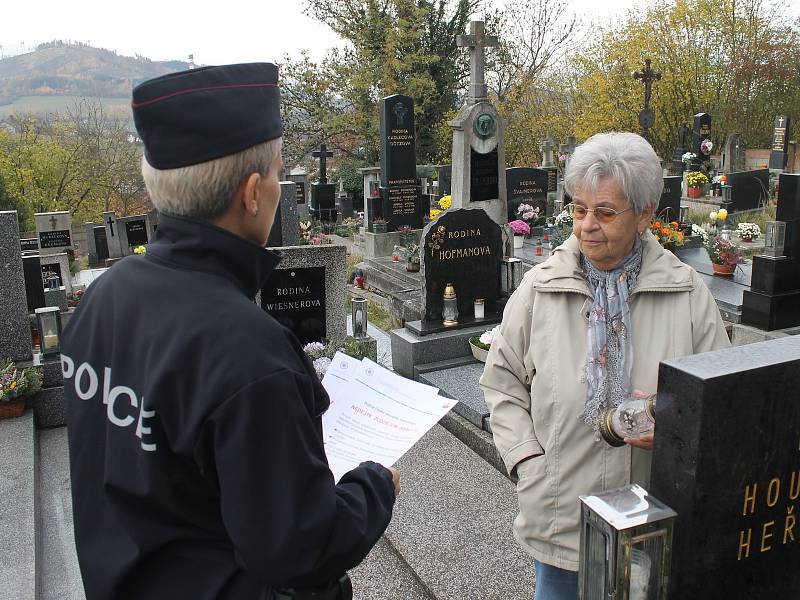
[(535, 521)]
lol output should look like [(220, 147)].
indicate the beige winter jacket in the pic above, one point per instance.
[(532, 383)]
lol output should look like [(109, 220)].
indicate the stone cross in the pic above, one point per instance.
[(476, 41), (322, 154), (111, 225), (647, 116), (53, 222), (547, 153)]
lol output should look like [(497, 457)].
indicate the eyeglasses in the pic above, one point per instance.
[(603, 214)]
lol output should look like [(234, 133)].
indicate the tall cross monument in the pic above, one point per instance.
[(323, 154), (476, 40), (646, 116), (479, 167)]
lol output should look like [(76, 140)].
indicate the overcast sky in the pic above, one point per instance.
[(233, 31)]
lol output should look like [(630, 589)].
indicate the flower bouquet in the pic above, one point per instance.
[(445, 202), (724, 254), (321, 353), (748, 232), (520, 229), (696, 180), (15, 384), (480, 344), (669, 235), (528, 213)]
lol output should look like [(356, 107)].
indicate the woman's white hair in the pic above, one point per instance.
[(626, 158), (205, 190)]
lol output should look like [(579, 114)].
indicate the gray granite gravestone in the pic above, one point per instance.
[(779, 153), (112, 235), (54, 230), (285, 227), (727, 459), (307, 292), (58, 264), (479, 157), (733, 153), (15, 330)]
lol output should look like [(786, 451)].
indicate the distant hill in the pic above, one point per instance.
[(64, 69)]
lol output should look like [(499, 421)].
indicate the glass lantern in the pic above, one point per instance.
[(359, 316), (559, 198), (450, 310), (626, 545), (48, 321), (633, 418), (511, 275), (774, 239), (726, 194)]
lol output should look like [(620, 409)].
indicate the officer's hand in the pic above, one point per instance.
[(395, 479)]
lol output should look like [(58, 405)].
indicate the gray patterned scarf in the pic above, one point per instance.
[(609, 361)]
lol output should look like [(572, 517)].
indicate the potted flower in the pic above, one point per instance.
[(724, 254), (480, 344), (748, 232), (15, 385), (445, 202), (411, 253), (379, 225), (669, 235), (520, 229), (696, 180), (434, 212)]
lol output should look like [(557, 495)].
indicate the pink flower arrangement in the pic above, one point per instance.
[(520, 227), (527, 212)]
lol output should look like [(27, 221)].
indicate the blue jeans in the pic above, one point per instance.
[(553, 583)]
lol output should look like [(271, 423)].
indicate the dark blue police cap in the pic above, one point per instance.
[(198, 115)]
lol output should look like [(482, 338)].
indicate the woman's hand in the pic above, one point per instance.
[(645, 442)]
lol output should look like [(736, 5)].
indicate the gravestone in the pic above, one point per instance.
[(529, 186), (372, 193), (773, 300), (701, 131), (15, 330), (323, 194), (152, 223), (58, 265), (479, 159), (678, 165), (463, 247), (779, 153), (98, 243), (749, 189), (112, 235), (733, 154), (54, 230), (132, 232), (727, 460), (306, 293), (285, 229), (34, 284), (669, 206), (445, 179), (402, 202), (29, 245), (567, 149)]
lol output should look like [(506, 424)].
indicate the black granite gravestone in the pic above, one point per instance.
[(300, 192), (773, 300), (669, 206), (749, 189), (323, 201), (137, 232), (296, 298), (463, 247), (402, 202), (727, 459), (29, 245), (100, 243), (445, 179), (34, 286), (484, 176), (701, 131), (779, 154), (525, 185), (678, 166)]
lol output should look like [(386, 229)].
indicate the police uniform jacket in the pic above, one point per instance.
[(195, 440)]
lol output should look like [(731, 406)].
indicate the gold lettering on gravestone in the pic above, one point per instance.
[(404, 201), (705, 129), (464, 252), (400, 138), (771, 499)]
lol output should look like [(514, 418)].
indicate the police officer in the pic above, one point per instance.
[(196, 453)]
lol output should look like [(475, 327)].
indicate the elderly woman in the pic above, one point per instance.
[(586, 330)]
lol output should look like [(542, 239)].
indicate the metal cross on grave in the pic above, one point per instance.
[(476, 41), (322, 154), (646, 116), (53, 222), (111, 225)]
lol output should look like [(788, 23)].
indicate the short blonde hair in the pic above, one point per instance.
[(204, 190)]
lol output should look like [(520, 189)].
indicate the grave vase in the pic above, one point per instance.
[(518, 240), (694, 192)]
